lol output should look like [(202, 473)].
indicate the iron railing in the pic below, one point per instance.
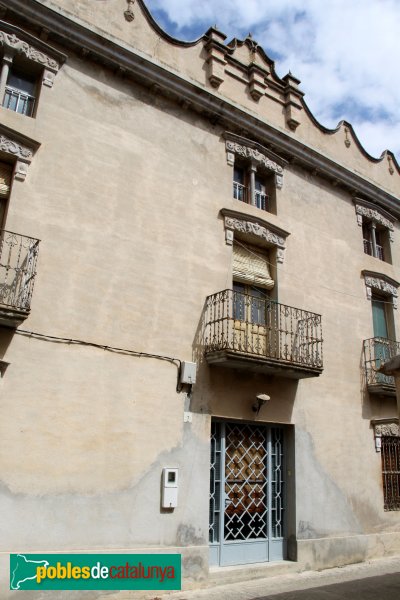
[(239, 192), (377, 351), (367, 247), (379, 252), (18, 256), (18, 101), (260, 327), (261, 200), (390, 452)]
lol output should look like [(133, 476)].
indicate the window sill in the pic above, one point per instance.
[(25, 126)]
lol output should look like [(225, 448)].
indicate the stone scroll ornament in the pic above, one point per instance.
[(128, 13)]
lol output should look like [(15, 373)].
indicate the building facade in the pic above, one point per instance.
[(195, 275)]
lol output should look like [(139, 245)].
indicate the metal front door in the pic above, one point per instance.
[(246, 493)]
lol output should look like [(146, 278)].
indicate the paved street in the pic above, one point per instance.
[(384, 587), (371, 580)]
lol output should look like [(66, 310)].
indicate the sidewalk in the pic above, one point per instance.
[(270, 586)]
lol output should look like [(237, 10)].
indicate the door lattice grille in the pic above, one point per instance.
[(247, 485), (215, 482), (245, 482)]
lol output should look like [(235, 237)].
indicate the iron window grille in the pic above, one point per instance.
[(390, 454)]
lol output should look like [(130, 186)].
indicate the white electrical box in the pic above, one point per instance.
[(188, 372), (169, 491)]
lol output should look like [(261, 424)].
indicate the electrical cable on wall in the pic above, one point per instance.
[(61, 340)]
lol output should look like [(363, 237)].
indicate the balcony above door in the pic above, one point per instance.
[(243, 331)]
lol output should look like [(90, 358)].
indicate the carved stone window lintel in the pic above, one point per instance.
[(381, 283), (239, 147), (19, 151), (271, 235), (371, 214), (14, 44), (384, 427)]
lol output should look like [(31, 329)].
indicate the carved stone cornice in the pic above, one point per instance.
[(12, 147), (247, 225), (12, 42), (16, 41), (366, 210), (22, 149), (384, 427), (237, 146), (233, 148), (382, 283)]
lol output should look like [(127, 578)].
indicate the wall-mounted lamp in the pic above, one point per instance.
[(261, 399)]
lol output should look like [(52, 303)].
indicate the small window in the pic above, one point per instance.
[(239, 187), (376, 241), (20, 93), (255, 188)]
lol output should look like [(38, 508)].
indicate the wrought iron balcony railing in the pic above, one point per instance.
[(263, 330), (18, 256), (377, 351)]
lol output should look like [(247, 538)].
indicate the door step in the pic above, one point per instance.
[(237, 573)]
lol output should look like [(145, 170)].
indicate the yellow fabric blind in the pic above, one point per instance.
[(5, 179), (250, 266)]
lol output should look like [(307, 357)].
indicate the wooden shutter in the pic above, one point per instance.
[(5, 179), (250, 266)]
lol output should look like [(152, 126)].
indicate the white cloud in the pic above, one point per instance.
[(345, 54)]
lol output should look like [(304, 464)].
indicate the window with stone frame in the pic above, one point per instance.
[(377, 230), (257, 173), (387, 442), (254, 186), (21, 91), (26, 64)]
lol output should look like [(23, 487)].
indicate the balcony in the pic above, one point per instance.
[(18, 256), (247, 332), (377, 351)]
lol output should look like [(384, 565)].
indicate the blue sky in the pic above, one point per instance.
[(344, 52)]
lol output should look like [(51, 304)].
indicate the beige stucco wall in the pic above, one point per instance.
[(125, 194), (190, 61)]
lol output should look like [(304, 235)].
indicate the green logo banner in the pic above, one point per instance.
[(95, 571)]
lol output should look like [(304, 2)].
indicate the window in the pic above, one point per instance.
[(390, 453), (376, 242), (20, 93), (251, 284), (377, 229), (257, 172), (26, 64), (239, 188), (255, 188)]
